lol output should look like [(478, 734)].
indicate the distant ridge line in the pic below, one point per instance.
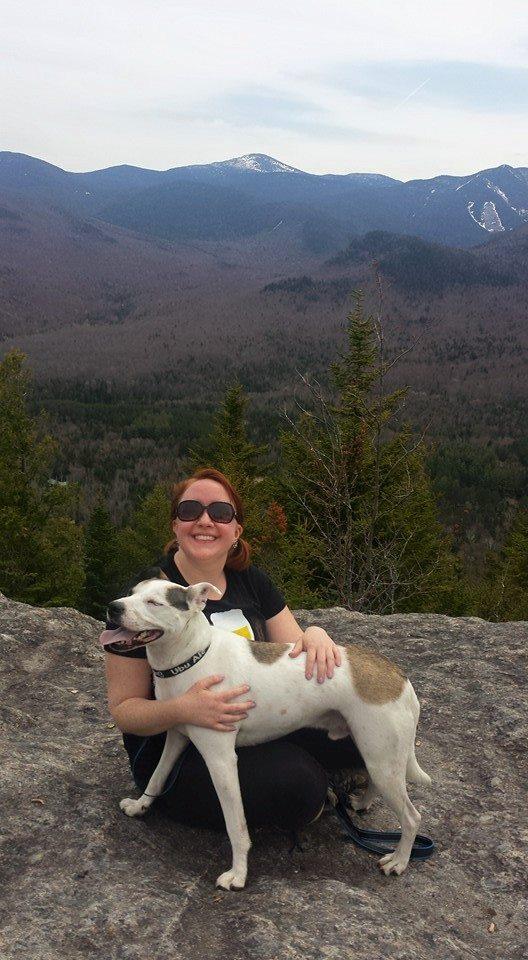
[(240, 164)]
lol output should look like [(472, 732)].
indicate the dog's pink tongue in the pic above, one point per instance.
[(115, 636)]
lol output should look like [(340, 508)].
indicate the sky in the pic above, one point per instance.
[(408, 89)]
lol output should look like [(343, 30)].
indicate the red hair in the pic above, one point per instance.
[(238, 559)]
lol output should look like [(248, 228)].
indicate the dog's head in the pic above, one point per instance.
[(154, 607)]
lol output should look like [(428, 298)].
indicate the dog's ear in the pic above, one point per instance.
[(197, 595), (177, 597)]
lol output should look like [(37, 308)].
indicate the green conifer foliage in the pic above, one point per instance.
[(504, 592), (142, 540), (41, 560), (102, 563), (229, 449), (358, 498), (515, 606)]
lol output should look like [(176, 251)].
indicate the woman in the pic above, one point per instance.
[(283, 782)]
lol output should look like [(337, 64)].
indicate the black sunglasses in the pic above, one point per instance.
[(219, 511)]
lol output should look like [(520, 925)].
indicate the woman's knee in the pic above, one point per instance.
[(307, 784), (287, 788)]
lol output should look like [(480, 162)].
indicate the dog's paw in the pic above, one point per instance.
[(231, 881), (134, 808), (393, 863)]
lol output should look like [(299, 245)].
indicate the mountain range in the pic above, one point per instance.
[(242, 197), (93, 285)]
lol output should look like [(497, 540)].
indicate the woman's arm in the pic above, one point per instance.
[(319, 647), (129, 699)]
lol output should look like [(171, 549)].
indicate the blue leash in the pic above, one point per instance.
[(380, 841)]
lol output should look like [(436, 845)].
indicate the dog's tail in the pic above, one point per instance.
[(414, 772)]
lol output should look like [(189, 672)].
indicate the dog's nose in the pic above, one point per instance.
[(114, 611)]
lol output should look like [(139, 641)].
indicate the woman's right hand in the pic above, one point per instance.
[(203, 708)]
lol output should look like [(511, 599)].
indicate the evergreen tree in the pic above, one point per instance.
[(358, 497), (229, 449), (516, 570), (102, 563), (504, 592), (41, 560), (141, 541)]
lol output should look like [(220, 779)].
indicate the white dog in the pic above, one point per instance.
[(368, 698)]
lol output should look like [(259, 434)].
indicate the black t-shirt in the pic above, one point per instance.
[(249, 600)]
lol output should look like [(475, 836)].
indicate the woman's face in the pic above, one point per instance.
[(203, 540)]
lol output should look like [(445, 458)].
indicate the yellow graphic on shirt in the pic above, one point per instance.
[(234, 621)]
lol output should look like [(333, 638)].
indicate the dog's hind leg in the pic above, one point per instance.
[(222, 765), (394, 792), (384, 744), (175, 743)]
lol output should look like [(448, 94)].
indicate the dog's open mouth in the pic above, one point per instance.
[(127, 639)]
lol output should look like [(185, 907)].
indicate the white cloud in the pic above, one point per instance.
[(156, 83)]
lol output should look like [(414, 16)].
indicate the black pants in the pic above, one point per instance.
[(283, 782)]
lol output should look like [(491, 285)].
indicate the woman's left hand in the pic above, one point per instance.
[(321, 651)]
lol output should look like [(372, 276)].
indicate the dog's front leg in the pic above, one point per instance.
[(175, 743), (223, 767)]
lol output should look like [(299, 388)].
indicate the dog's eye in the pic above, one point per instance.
[(155, 603)]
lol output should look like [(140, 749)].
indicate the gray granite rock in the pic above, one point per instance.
[(81, 880)]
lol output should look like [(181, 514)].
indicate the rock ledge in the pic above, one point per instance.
[(81, 880)]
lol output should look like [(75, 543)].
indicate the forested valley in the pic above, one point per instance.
[(406, 521), (134, 344)]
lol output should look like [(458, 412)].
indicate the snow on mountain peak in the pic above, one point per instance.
[(257, 163)]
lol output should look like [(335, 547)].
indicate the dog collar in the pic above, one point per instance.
[(181, 667)]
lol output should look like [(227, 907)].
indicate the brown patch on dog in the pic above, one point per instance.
[(267, 652), (376, 679)]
